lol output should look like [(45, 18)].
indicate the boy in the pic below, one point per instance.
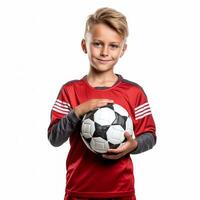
[(109, 176)]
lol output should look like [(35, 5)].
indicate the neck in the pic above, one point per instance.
[(102, 78)]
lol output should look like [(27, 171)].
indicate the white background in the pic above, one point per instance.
[(40, 51)]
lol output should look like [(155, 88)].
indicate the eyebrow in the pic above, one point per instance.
[(109, 42)]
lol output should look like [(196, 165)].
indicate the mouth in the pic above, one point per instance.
[(103, 61)]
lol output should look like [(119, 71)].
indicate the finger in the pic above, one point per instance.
[(101, 104), (108, 100), (117, 150), (112, 157), (114, 151), (127, 135)]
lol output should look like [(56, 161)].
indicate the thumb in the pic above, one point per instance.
[(127, 135)]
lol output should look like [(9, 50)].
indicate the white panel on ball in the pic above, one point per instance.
[(119, 109), (99, 145), (103, 119), (115, 134), (88, 128)]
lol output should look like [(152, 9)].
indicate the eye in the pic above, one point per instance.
[(114, 46), (97, 44)]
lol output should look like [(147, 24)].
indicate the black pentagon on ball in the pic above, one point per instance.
[(120, 120), (100, 131), (88, 140), (113, 146)]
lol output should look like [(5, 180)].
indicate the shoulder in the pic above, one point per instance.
[(72, 83), (132, 87), (131, 84)]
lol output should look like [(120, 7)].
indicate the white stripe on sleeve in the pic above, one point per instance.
[(142, 111), (61, 107)]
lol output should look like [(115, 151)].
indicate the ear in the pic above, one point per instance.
[(83, 45), (123, 50)]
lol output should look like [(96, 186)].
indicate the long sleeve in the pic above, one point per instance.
[(144, 125), (63, 119), (60, 131), (146, 141)]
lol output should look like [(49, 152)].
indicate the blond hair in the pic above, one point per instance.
[(110, 17)]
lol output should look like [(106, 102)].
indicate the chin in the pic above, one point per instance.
[(102, 67)]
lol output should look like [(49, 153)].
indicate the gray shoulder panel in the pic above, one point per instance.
[(132, 83), (72, 81)]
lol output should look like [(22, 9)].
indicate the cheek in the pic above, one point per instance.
[(93, 51), (116, 55)]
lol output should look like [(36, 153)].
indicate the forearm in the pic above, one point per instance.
[(60, 132), (145, 142)]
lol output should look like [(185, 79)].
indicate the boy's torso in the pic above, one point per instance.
[(89, 175)]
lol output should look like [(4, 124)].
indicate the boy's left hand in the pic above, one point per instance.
[(127, 147)]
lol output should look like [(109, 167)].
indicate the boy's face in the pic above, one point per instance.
[(104, 47)]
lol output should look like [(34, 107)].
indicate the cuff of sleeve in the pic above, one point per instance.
[(137, 150), (146, 141)]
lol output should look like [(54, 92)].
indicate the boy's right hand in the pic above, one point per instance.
[(92, 104)]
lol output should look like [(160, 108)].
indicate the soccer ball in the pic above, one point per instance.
[(104, 128)]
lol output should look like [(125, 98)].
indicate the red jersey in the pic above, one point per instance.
[(88, 174)]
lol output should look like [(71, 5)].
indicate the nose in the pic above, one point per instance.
[(104, 51)]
